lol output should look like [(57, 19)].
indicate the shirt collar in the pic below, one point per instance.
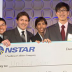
[(66, 24), (40, 36), (20, 30), (1, 36)]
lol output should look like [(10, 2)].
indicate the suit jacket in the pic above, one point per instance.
[(53, 32), (36, 37), (1, 39), (14, 36)]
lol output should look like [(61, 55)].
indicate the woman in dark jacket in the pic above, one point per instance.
[(40, 25)]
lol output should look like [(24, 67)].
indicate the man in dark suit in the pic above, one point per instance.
[(20, 34), (2, 29), (60, 30)]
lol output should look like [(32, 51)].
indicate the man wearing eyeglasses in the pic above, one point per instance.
[(60, 30), (3, 27)]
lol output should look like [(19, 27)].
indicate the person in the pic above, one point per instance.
[(60, 30), (40, 25), (3, 27), (20, 34)]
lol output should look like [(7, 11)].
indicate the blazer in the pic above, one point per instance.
[(36, 37), (14, 36), (53, 32), (1, 39)]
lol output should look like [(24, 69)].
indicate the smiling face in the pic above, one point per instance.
[(41, 26), (62, 14), (22, 22), (2, 27)]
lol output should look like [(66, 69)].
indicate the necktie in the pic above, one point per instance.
[(63, 32), (1, 39), (23, 36)]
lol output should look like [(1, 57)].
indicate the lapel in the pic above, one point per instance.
[(38, 37), (1, 39), (69, 30), (17, 35), (57, 32), (28, 36)]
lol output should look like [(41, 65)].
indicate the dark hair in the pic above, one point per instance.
[(40, 19), (62, 4), (22, 14), (1, 19)]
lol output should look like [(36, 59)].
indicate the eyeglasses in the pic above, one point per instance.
[(2, 25), (59, 11)]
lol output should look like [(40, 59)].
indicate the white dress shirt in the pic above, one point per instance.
[(20, 32), (66, 26), (1, 36), (41, 37)]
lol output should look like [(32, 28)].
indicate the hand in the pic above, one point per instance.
[(47, 40), (6, 42), (37, 41)]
